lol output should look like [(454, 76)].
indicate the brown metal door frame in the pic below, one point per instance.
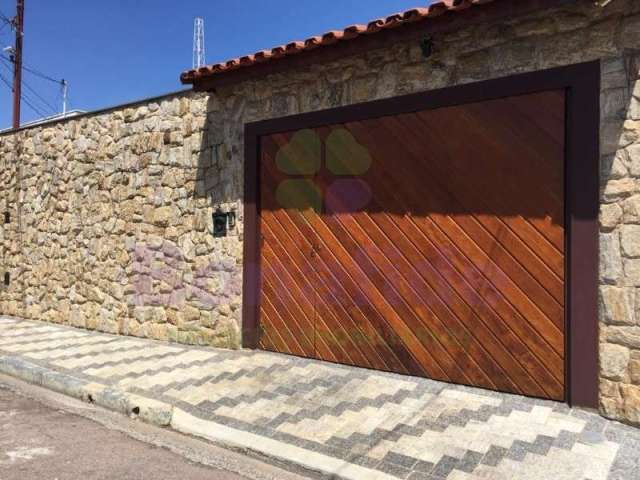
[(582, 85)]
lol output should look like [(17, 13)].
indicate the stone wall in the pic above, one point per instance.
[(116, 207), (111, 224)]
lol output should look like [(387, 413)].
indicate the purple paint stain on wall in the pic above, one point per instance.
[(347, 195), (166, 263)]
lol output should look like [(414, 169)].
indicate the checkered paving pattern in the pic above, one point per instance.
[(395, 426)]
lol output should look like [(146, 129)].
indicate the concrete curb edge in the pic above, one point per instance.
[(148, 410), (165, 415)]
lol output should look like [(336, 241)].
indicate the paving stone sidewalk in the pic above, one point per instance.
[(348, 422)]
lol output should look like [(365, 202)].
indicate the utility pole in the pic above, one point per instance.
[(198, 43), (17, 62)]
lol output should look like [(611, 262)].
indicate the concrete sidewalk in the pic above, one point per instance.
[(342, 421)]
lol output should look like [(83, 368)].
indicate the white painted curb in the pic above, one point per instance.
[(148, 410)]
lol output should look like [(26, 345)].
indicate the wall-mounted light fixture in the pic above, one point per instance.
[(7, 218), (219, 223), (7, 279), (223, 222), (231, 217), (426, 45)]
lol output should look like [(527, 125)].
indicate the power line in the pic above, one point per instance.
[(35, 72), (8, 84), (16, 61), (29, 101), (53, 109), (5, 19), (41, 75)]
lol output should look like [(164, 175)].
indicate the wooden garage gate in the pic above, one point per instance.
[(451, 234), (429, 243)]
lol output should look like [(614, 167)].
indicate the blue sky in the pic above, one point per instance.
[(114, 51)]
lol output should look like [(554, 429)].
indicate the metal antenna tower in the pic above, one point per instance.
[(198, 43)]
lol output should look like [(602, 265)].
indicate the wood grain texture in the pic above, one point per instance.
[(442, 257)]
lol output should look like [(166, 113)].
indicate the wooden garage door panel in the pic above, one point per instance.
[(429, 243), (287, 306)]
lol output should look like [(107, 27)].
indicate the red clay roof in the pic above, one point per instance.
[(331, 37)]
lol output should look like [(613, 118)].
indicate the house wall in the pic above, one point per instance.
[(113, 211), (111, 224)]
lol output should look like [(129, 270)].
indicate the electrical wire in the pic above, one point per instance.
[(53, 109), (40, 74), (4, 80), (29, 101), (35, 72), (9, 62), (6, 22), (6, 19)]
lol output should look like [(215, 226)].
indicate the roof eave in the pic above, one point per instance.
[(443, 17)]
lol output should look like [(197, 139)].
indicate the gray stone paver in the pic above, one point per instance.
[(398, 426)]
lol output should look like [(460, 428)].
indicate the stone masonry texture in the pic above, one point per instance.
[(111, 223)]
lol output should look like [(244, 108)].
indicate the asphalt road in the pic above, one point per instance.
[(45, 443)]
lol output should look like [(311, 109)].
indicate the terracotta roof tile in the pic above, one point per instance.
[(332, 37)]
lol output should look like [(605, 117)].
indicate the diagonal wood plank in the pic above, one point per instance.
[(450, 262)]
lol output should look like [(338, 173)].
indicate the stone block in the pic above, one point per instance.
[(76, 318), (631, 397), (631, 272), (623, 335), (614, 360), (610, 215), (610, 257), (629, 36), (190, 314), (631, 209), (131, 327), (630, 240), (618, 305), (614, 74), (614, 103), (158, 331), (617, 189), (633, 155), (609, 388), (534, 26), (209, 319), (633, 112), (150, 314), (611, 407), (634, 370), (163, 216)]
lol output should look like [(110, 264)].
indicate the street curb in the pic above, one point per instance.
[(161, 414), (150, 411), (315, 463), (198, 450)]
